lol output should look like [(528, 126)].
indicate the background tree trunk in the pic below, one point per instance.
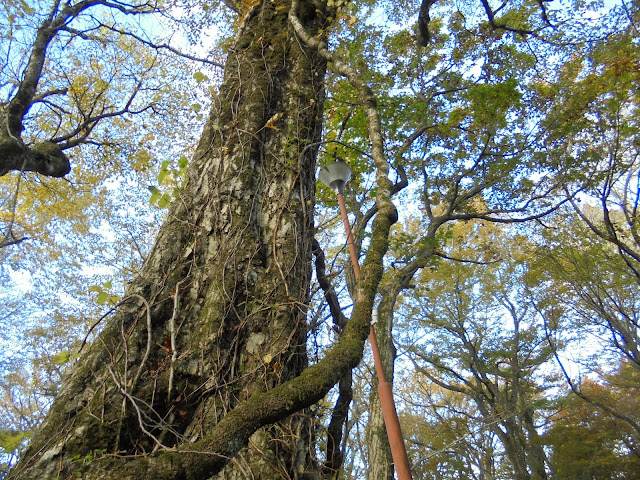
[(378, 449), (218, 313)]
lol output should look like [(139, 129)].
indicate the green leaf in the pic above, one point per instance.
[(183, 162), (64, 356), (155, 195), (164, 201), (200, 77), (102, 298), (162, 175), (95, 288), (196, 107), (154, 198), (10, 440)]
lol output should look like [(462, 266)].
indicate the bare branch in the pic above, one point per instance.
[(575, 388), (330, 295), (153, 45), (465, 260)]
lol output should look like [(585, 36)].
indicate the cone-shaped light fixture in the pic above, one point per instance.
[(334, 175)]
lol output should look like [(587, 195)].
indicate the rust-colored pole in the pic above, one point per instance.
[(347, 229), (391, 422)]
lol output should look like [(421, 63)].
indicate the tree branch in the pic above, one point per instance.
[(330, 294), (45, 158), (574, 388), (155, 46), (501, 26)]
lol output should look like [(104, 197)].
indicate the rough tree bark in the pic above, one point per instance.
[(209, 343)]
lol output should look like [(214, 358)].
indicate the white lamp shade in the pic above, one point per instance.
[(335, 175)]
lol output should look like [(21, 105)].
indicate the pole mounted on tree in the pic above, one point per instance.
[(335, 175)]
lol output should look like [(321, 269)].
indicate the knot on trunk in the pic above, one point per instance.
[(50, 159), (46, 158)]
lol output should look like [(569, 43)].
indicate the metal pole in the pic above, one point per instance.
[(391, 422)]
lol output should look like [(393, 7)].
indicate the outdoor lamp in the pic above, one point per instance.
[(334, 175)]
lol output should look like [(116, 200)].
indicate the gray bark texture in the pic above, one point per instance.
[(183, 375)]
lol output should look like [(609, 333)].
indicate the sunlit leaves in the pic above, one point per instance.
[(200, 77), (11, 440), (61, 358), (105, 294), (170, 179), (585, 441)]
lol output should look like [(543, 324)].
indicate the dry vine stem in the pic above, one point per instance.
[(173, 332)]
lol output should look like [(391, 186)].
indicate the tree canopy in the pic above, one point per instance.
[(185, 306)]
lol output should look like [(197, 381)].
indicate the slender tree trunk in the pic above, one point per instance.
[(218, 313), (524, 451), (535, 450), (379, 453)]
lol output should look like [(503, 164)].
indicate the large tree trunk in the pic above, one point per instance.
[(218, 313)]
